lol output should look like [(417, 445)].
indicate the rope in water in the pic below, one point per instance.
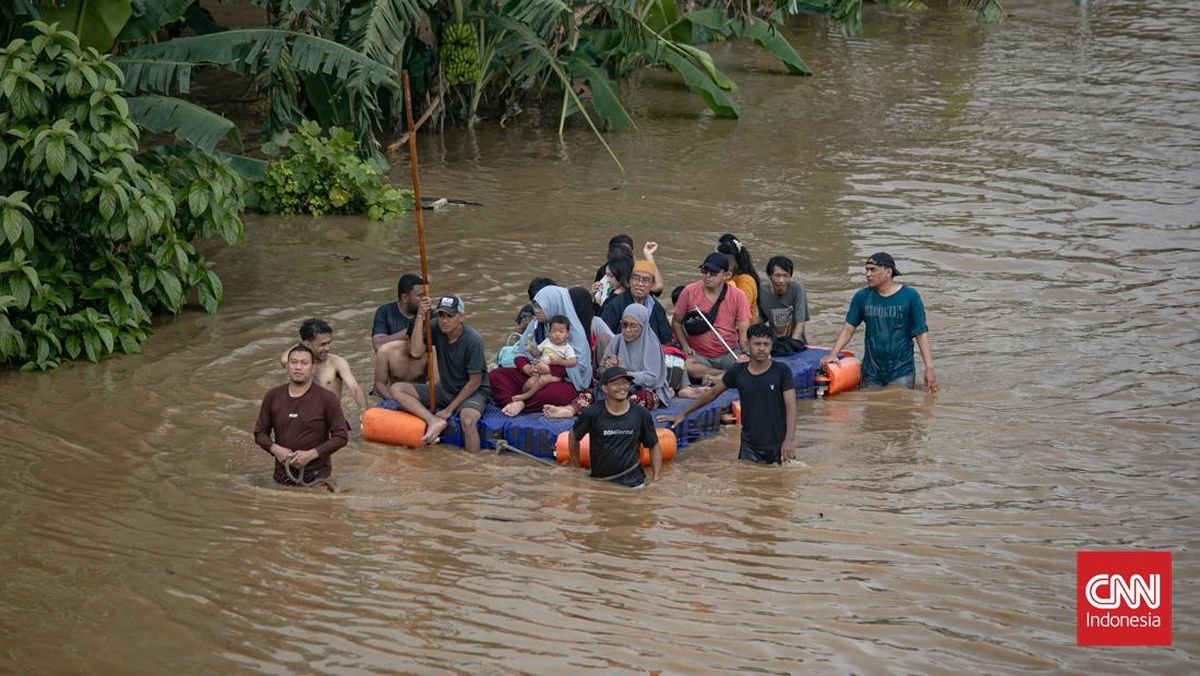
[(502, 446), (298, 479)]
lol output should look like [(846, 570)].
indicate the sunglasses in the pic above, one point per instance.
[(710, 273)]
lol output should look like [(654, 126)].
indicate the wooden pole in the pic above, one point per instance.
[(420, 214)]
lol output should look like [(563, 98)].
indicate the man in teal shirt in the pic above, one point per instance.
[(895, 316)]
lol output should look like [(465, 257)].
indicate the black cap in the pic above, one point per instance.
[(612, 373), (451, 305), (884, 260), (716, 261)]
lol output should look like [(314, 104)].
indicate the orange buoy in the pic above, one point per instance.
[(392, 427), (666, 442), (737, 412), (843, 374)]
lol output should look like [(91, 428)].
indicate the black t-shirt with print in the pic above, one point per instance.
[(615, 440)]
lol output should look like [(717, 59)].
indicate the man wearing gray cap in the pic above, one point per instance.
[(895, 317), (462, 373)]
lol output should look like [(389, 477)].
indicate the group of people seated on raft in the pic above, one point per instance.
[(569, 337)]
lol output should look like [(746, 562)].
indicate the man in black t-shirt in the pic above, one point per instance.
[(390, 332), (768, 398), (616, 430)]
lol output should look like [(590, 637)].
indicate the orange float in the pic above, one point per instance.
[(666, 442), (840, 376), (392, 427), (737, 412)]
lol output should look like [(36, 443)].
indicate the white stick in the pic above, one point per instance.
[(714, 330)]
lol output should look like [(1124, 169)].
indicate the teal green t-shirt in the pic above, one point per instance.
[(892, 324)]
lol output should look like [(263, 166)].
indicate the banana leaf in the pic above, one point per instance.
[(248, 51), (95, 22), (696, 80), (187, 121), (151, 15), (605, 97), (762, 33)]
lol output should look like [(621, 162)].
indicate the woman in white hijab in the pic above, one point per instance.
[(506, 382)]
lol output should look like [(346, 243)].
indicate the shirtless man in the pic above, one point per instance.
[(332, 371), (391, 331)]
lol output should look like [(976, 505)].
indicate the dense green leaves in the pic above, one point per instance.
[(322, 175), (94, 239)]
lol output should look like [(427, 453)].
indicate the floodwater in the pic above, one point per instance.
[(1037, 182)]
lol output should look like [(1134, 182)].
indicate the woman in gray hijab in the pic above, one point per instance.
[(638, 351)]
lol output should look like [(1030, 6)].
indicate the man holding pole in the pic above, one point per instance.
[(710, 321), (462, 373)]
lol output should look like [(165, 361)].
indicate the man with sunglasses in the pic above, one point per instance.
[(709, 353), (895, 317)]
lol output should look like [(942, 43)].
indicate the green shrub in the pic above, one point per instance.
[(94, 239), (324, 176)]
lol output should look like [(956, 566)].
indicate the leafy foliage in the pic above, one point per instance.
[(322, 175), (93, 238)]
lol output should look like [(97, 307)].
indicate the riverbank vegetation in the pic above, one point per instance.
[(95, 238), (337, 62)]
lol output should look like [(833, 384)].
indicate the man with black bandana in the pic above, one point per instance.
[(616, 430), (895, 318)]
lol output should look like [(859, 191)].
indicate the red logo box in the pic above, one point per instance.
[(1123, 598)]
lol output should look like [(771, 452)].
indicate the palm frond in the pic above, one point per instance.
[(534, 42), (248, 51), (187, 121), (379, 28)]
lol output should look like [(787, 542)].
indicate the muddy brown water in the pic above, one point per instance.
[(1037, 182)]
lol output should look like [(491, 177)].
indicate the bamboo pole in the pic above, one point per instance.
[(420, 214)]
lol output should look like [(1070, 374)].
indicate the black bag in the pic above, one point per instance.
[(786, 346), (694, 324)]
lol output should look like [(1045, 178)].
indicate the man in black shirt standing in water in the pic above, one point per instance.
[(768, 398), (617, 430)]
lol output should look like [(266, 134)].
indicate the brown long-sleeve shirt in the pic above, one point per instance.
[(313, 420)]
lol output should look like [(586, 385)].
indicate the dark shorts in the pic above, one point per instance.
[(761, 456), (477, 401)]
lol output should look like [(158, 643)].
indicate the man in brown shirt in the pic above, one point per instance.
[(307, 422)]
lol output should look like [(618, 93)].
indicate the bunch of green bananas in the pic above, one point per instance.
[(460, 53)]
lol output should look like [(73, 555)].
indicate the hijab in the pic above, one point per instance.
[(643, 357), (555, 300)]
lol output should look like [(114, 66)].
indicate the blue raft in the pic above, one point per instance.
[(535, 434)]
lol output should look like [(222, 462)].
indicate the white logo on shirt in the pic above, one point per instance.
[(293, 415)]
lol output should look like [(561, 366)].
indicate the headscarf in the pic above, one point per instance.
[(581, 300), (555, 300), (643, 358)]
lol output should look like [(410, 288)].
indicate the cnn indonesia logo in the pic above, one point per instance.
[(1123, 598)]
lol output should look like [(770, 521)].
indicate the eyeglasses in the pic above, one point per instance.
[(630, 325), (643, 279)]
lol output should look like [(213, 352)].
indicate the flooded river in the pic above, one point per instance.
[(1037, 181)]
